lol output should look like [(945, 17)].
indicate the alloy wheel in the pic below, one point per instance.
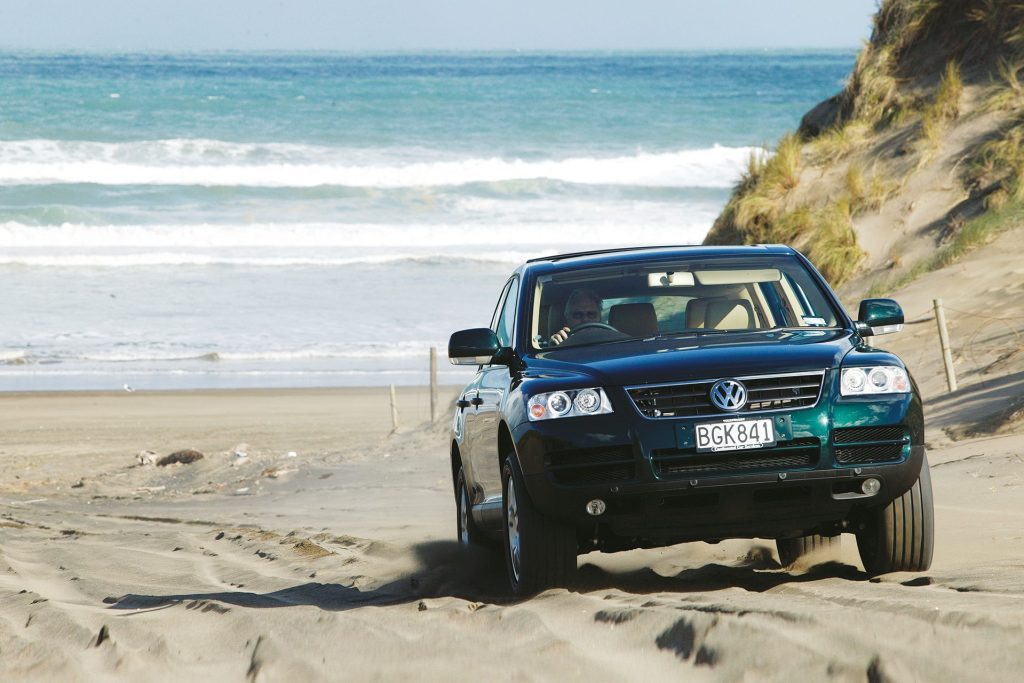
[(512, 514), (463, 514)]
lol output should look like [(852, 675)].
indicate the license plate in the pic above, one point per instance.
[(734, 435)]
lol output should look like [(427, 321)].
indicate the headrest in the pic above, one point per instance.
[(696, 310), (636, 320), (729, 314)]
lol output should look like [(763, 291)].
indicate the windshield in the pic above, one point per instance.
[(685, 296)]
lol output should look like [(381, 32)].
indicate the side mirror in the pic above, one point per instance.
[(473, 347), (879, 316)]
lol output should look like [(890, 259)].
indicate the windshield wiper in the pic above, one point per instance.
[(694, 333)]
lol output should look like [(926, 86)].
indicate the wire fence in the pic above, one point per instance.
[(410, 406), (990, 340)]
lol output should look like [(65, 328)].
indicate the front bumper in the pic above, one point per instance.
[(659, 490)]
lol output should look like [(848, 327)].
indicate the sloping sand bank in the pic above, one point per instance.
[(339, 563)]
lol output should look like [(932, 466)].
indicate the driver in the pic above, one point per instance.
[(583, 306)]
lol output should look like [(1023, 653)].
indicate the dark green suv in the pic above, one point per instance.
[(644, 397)]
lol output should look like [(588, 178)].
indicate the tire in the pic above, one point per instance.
[(540, 553), (900, 537), (468, 533), (792, 549)]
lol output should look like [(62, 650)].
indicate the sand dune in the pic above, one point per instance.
[(340, 563)]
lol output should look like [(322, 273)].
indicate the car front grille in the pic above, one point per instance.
[(764, 393), (864, 445), (592, 465), (795, 454)]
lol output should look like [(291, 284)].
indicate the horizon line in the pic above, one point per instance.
[(424, 50)]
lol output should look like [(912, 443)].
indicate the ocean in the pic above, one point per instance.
[(177, 221)]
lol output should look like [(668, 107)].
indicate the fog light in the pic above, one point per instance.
[(871, 486), (596, 507)]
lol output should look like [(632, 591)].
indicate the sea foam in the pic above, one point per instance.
[(459, 239), (216, 163)]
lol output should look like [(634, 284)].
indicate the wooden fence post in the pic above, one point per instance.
[(394, 410), (947, 353)]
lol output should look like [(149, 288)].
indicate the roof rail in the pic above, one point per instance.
[(596, 252)]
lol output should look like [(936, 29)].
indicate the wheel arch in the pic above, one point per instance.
[(506, 444), (456, 457)]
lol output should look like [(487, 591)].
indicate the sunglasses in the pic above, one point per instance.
[(585, 315)]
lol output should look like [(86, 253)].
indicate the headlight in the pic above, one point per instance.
[(568, 404), (882, 379)]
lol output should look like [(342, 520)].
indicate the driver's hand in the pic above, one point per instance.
[(560, 336)]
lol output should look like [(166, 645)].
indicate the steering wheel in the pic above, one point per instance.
[(592, 326)]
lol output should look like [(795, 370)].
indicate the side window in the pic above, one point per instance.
[(498, 308), (507, 315)]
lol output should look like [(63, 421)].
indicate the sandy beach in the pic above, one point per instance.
[(304, 224), (339, 562)]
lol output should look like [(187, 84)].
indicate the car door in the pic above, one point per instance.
[(478, 423), (491, 391)]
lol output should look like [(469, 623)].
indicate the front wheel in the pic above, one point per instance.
[(900, 536), (540, 553)]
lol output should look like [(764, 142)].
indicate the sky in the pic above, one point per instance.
[(432, 24)]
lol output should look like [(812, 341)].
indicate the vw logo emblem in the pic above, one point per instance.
[(729, 394)]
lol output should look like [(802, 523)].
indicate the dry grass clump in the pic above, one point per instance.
[(900, 22), (872, 94), (791, 225), (757, 202), (781, 172), (833, 245), (1000, 162), (838, 141), (996, 21), (1008, 92), (868, 192), (965, 31), (856, 187), (944, 106), (755, 164)]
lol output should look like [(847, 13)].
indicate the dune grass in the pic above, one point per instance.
[(946, 104), (791, 225), (838, 141), (872, 91), (867, 191), (1007, 92), (996, 21), (943, 108), (833, 245), (1001, 161), (781, 172), (975, 233), (758, 200), (887, 88)]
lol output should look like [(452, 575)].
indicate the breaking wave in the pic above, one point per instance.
[(226, 164)]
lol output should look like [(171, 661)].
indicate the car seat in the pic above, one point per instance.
[(636, 320)]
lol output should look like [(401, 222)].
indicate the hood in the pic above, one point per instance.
[(686, 358)]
